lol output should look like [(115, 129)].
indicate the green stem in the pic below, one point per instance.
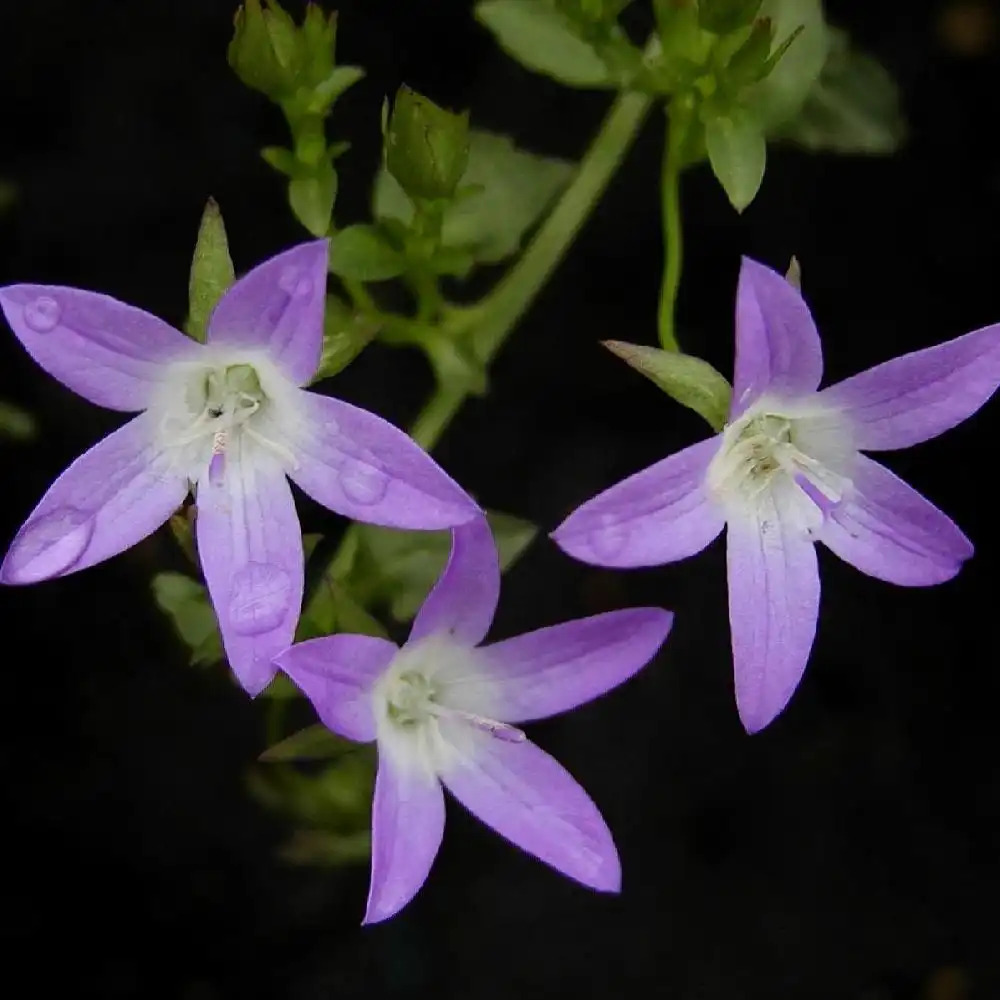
[(672, 238), (493, 318)]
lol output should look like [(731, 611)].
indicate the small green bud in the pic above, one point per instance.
[(723, 17), (264, 51), (426, 147)]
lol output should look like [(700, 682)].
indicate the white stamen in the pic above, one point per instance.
[(766, 448)]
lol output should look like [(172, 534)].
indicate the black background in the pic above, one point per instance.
[(848, 851)]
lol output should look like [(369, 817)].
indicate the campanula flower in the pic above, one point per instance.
[(228, 420), (443, 710), (787, 471)]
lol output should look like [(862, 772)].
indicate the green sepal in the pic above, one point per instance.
[(212, 271), (689, 380)]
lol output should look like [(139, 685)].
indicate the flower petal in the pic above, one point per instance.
[(111, 497), (777, 344), (655, 516), (407, 827), (464, 599), (920, 395), (363, 467), (108, 352), (555, 669), (533, 801), (250, 547), (773, 609), (889, 531), (336, 674), (278, 306)]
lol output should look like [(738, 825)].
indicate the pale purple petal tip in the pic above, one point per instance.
[(407, 827), (465, 596), (364, 468), (108, 352), (917, 396), (279, 307), (110, 498), (554, 669), (336, 674), (777, 345), (773, 609), (250, 547), (656, 516), (529, 798), (889, 531)]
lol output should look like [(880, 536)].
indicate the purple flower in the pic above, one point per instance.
[(230, 420), (441, 710), (787, 471)]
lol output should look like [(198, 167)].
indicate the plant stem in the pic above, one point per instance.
[(672, 237), (493, 318)]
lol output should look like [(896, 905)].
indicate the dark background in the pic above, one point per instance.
[(849, 851)]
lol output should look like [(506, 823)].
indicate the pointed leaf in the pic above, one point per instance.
[(737, 152), (346, 334), (692, 382), (211, 271), (362, 253), (186, 604), (542, 39), (398, 568), (312, 198)]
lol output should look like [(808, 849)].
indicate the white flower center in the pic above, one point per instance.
[(796, 454), (424, 688), (206, 410)]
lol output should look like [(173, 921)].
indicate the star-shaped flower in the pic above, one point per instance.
[(787, 471), (229, 419), (442, 710)]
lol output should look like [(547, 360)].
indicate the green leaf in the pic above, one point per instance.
[(16, 424), (426, 147), (312, 196), (312, 743), (692, 382), (737, 152), (542, 38), (346, 334), (186, 604), (852, 108), (211, 271), (327, 91), (333, 608), (516, 187), (784, 90), (362, 253), (283, 160), (504, 194), (398, 568)]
